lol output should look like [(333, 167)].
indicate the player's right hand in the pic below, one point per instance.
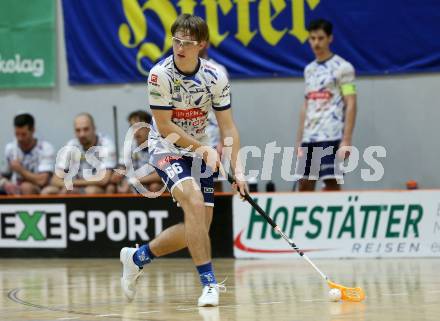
[(240, 186), (210, 156)]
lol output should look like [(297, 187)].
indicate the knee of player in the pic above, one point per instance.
[(93, 190), (49, 190), (196, 204), (155, 187)]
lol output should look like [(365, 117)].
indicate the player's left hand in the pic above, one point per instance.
[(344, 149), (240, 186)]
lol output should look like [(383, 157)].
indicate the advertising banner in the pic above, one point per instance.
[(119, 41), (340, 225), (97, 227), (27, 43)]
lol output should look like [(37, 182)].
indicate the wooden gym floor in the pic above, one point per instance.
[(53, 289)]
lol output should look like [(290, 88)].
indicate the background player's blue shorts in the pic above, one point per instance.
[(176, 169), (314, 166)]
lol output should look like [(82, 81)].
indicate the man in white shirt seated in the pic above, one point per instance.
[(29, 160), (85, 164)]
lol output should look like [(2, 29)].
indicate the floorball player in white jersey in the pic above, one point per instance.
[(182, 90), (328, 114)]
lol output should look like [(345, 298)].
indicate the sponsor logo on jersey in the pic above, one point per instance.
[(188, 113), (317, 95), (196, 90), (176, 85), (166, 160), (153, 80)]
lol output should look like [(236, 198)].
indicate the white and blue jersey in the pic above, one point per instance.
[(325, 83), (190, 97), (39, 159)]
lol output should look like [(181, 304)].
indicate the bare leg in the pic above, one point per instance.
[(169, 241), (93, 190), (75, 190), (173, 238), (110, 189), (50, 190), (27, 188), (123, 187)]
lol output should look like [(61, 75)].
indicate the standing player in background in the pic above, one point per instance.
[(182, 90), (29, 160), (328, 115), (139, 158), (212, 129), (90, 152)]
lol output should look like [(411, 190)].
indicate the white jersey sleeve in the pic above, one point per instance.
[(306, 75), (46, 158), (221, 93), (159, 89), (345, 74)]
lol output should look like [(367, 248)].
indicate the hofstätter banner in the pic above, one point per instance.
[(119, 41), (340, 225)]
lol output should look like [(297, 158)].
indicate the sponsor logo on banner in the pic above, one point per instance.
[(47, 226), (364, 224), (115, 225), (33, 226), (20, 65)]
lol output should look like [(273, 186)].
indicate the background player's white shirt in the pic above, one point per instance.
[(190, 97), (39, 159), (74, 156), (325, 105)]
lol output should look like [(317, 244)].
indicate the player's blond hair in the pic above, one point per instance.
[(195, 26)]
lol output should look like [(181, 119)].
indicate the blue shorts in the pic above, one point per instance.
[(313, 165), (174, 169)]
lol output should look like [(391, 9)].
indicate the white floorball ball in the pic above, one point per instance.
[(334, 295)]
